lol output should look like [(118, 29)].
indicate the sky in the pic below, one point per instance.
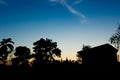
[(70, 23)]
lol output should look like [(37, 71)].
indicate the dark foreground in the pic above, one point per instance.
[(57, 71)]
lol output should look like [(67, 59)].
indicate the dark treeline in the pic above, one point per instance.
[(46, 60), (46, 53)]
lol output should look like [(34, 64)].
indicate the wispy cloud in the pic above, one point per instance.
[(52, 0), (3, 2), (70, 8), (78, 2)]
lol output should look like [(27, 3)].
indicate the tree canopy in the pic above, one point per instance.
[(6, 47), (46, 50), (22, 53)]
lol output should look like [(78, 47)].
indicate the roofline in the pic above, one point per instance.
[(97, 46)]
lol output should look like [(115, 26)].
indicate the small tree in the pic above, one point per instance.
[(115, 38), (85, 47)]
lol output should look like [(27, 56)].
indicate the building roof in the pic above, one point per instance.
[(98, 49)]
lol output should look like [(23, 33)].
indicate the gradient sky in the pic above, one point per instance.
[(70, 23)]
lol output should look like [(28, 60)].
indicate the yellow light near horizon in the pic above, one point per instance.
[(118, 56), (31, 60)]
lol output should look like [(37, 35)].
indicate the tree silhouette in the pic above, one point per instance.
[(85, 47), (22, 53), (46, 50), (115, 38), (6, 47)]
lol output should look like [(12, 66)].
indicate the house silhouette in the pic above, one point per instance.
[(101, 55)]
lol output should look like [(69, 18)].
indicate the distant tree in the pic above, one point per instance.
[(115, 38), (85, 47), (22, 53), (46, 50), (6, 47)]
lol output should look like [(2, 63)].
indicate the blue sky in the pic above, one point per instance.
[(70, 23)]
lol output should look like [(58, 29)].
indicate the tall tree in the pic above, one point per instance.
[(46, 50), (115, 38), (6, 47)]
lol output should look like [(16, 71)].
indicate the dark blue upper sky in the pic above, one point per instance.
[(70, 23)]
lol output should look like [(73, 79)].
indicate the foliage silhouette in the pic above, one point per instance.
[(85, 47), (46, 50), (115, 38), (22, 54), (6, 47)]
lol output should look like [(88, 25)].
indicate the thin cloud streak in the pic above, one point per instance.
[(78, 2), (52, 0), (70, 8), (3, 2)]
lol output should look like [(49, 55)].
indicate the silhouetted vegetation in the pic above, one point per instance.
[(115, 38), (22, 54), (46, 51), (6, 47), (85, 47), (44, 59)]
